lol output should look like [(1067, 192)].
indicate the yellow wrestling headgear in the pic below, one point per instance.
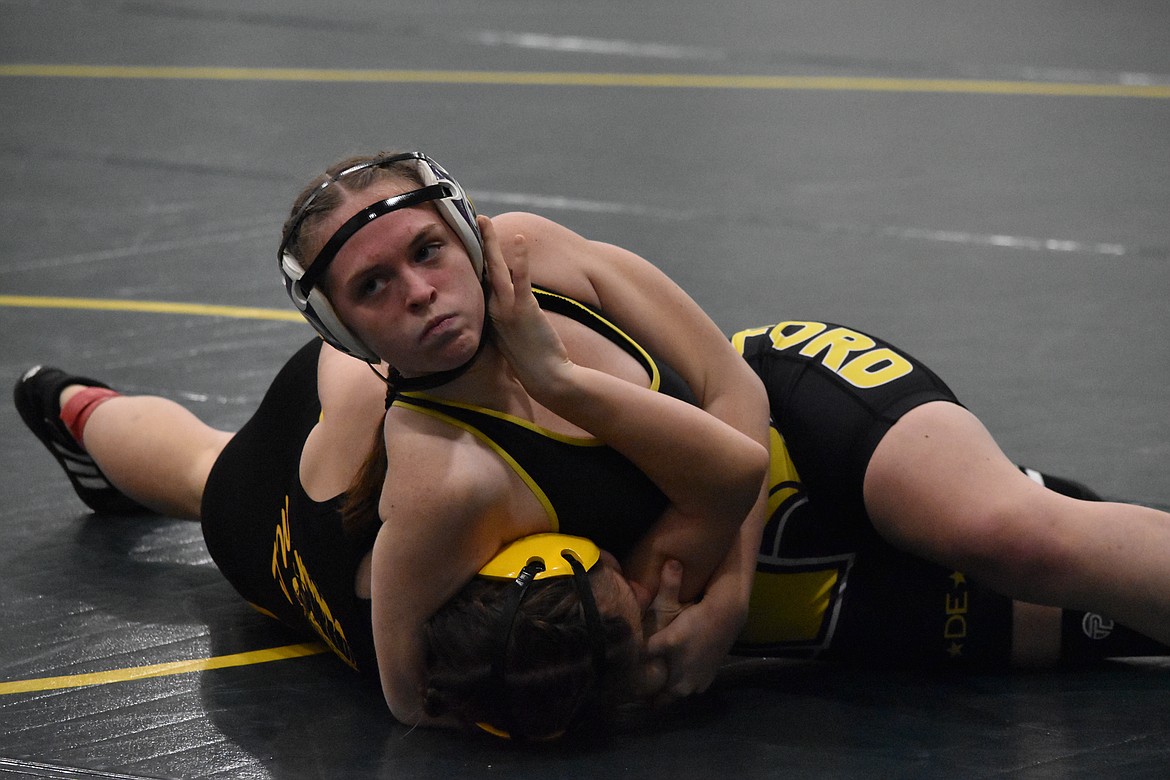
[(532, 558), (549, 549)]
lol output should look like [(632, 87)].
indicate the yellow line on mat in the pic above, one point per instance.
[(539, 78), (156, 307), (162, 670)]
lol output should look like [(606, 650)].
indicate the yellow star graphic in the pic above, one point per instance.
[(958, 578)]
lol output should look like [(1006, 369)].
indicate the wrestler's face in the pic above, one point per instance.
[(405, 284)]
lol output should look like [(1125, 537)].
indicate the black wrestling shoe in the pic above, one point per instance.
[(37, 397)]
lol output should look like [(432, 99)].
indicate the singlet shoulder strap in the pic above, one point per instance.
[(593, 319)]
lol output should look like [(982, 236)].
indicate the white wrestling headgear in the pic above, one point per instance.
[(438, 187)]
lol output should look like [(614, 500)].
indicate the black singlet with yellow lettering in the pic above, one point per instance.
[(586, 488), (827, 585), (285, 553)]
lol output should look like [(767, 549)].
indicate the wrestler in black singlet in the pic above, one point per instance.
[(827, 585), (282, 551), (587, 489), (288, 554)]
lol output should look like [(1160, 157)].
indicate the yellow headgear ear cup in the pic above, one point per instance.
[(548, 548), (530, 558)]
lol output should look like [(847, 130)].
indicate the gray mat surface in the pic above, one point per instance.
[(985, 184)]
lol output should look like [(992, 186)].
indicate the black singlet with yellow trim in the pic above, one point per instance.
[(285, 553), (586, 488), (827, 585)]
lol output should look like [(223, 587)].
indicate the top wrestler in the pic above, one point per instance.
[(384, 256)]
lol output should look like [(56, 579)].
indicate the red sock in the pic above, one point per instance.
[(75, 414)]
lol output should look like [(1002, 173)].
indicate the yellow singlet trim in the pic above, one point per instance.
[(578, 441), (550, 511), (651, 366)]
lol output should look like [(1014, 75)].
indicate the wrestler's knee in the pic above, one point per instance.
[(938, 486), (1015, 544)]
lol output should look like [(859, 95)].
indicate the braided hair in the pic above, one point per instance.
[(551, 683)]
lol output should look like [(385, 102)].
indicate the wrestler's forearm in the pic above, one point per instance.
[(732, 581), (706, 467)]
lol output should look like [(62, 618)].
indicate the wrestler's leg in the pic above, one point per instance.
[(939, 486), (152, 449)]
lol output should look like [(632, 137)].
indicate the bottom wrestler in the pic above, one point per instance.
[(827, 585)]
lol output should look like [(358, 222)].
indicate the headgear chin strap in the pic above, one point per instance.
[(537, 557), (438, 187)]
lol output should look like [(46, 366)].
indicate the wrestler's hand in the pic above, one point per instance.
[(522, 331), (661, 612), (693, 644), (665, 607)]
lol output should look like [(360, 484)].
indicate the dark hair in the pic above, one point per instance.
[(359, 506), (550, 681)]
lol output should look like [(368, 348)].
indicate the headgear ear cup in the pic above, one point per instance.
[(456, 210), (319, 312)]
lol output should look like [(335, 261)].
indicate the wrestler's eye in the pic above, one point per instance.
[(370, 285), (427, 252)]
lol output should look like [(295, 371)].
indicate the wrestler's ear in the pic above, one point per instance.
[(643, 596)]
